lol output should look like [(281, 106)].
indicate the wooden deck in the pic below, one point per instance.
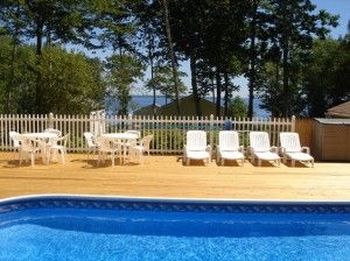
[(165, 176)]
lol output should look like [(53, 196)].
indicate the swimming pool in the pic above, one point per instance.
[(104, 228)]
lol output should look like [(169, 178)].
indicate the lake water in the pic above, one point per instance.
[(139, 101)]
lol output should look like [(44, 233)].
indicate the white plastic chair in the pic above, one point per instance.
[(196, 147), (59, 146), (229, 148), (14, 136), (106, 147), (92, 146), (291, 149), (29, 148), (139, 150), (260, 148)]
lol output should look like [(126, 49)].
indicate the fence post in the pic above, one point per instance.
[(51, 120), (211, 134), (130, 127), (293, 123)]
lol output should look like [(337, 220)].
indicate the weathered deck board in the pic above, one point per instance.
[(165, 176)]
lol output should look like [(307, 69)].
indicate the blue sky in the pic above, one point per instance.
[(336, 7)]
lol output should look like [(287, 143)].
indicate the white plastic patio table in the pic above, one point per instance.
[(44, 137), (123, 138)]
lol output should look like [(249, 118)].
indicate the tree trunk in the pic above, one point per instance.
[(227, 95), (39, 101), (252, 54), (172, 55), (218, 93), (193, 66)]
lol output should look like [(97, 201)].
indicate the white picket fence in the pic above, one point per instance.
[(169, 132)]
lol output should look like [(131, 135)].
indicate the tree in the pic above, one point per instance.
[(238, 108), (46, 22), (293, 26), (209, 33), (163, 82), (171, 53), (327, 75), (123, 72), (74, 82)]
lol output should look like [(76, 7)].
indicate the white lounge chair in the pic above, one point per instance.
[(229, 148), (260, 148), (196, 147), (291, 149)]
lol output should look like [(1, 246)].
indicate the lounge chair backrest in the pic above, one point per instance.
[(259, 141), (196, 140), (290, 141), (228, 140)]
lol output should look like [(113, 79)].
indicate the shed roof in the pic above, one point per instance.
[(332, 121), (148, 110), (188, 107), (340, 111)]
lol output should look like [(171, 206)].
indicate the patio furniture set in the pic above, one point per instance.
[(128, 146), (48, 144), (228, 148)]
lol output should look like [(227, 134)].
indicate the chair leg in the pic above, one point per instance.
[(112, 159), (63, 156), (32, 159), (293, 163)]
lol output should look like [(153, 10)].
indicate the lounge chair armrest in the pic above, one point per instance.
[(241, 149), (306, 149), (208, 148), (250, 150), (283, 150)]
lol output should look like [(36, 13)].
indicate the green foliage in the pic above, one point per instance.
[(293, 24), (270, 41), (71, 82), (123, 72), (327, 75), (238, 108), (163, 81)]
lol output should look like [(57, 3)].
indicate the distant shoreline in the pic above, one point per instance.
[(139, 101)]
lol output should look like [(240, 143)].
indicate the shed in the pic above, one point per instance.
[(331, 140)]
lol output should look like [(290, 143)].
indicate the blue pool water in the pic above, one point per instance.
[(81, 228)]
